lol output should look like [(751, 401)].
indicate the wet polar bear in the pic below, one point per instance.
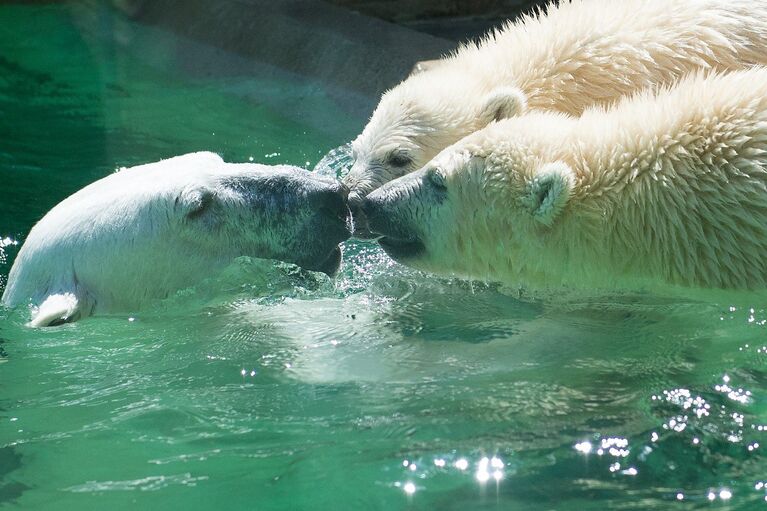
[(580, 54), (666, 188), (146, 231)]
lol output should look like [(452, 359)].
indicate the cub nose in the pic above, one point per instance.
[(331, 200)]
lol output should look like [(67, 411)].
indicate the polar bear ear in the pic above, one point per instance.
[(502, 103), (549, 190), (194, 202)]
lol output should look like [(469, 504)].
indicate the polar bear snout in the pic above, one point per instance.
[(390, 218), (331, 201), (298, 204), (331, 219)]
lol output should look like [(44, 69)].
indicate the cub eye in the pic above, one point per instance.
[(399, 159), (437, 179)]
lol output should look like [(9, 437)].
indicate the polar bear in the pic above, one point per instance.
[(664, 189), (581, 53), (146, 231)]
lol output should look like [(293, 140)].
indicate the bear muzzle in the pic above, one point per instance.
[(395, 234)]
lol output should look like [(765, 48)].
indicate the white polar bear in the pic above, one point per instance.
[(146, 231), (660, 189), (584, 53)]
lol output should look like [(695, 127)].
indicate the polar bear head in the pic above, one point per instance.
[(491, 205), (416, 120), (270, 212)]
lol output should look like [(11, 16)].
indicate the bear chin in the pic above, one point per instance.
[(329, 265), (402, 249)]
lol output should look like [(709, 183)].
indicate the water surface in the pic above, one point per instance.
[(271, 388)]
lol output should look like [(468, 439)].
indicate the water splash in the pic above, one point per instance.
[(336, 163)]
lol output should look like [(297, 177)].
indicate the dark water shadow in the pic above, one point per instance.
[(10, 461)]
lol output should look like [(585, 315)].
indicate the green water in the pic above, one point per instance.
[(272, 389)]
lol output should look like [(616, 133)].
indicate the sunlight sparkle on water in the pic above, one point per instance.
[(409, 488), (483, 473), (740, 395)]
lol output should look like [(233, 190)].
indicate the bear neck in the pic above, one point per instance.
[(675, 198)]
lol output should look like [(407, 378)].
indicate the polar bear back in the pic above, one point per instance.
[(592, 52)]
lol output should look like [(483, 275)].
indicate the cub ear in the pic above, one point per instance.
[(194, 201), (549, 190), (502, 103), (56, 310)]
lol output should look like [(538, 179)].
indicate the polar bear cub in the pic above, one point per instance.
[(666, 188), (146, 231)]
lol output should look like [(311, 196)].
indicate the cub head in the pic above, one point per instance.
[(416, 120), (487, 207), (267, 212)]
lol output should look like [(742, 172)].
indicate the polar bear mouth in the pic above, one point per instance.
[(401, 249)]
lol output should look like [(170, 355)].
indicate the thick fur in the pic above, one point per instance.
[(579, 54), (146, 231), (662, 188)]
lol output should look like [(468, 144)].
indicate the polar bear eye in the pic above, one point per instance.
[(399, 159), (437, 179)]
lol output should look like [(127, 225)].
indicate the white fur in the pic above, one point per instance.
[(580, 54), (58, 308), (662, 188), (146, 231)]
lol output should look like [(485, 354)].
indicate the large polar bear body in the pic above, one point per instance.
[(146, 231), (666, 188), (580, 54)]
